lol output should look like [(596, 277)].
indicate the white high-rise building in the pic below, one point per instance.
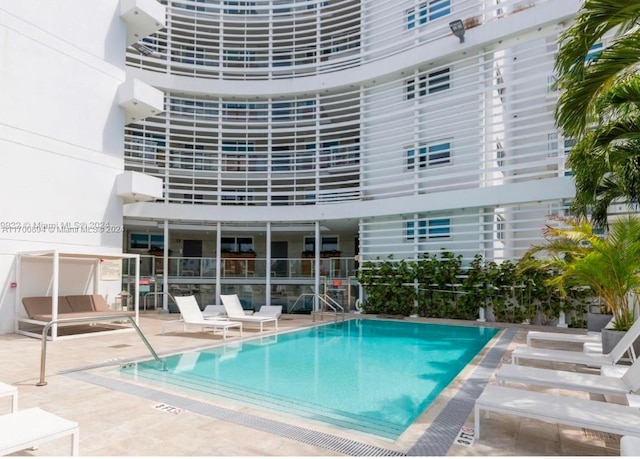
[(65, 97), (298, 138)]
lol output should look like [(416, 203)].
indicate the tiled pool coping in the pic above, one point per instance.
[(439, 436)]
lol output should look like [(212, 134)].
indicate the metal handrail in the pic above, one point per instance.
[(327, 301), (43, 356), (298, 299), (144, 298)]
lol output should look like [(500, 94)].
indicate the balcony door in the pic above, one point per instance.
[(191, 251), (279, 254)]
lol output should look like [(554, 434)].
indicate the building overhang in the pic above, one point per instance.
[(143, 17), (449, 201), (136, 187), (139, 100)]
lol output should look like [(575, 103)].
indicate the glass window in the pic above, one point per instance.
[(279, 200), (228, 244), (428, 84), (139, 241), (411, 158), (245, 244), (157, 242), (411, 19), (411, 232), (439, 81), (428, 11), (328, 243), (236, 244), (439, 154), (439, 227), (431, 155), (439, 8), (500, 227), (410, 89)]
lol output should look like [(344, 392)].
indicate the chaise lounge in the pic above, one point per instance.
[(234, 311), (582, 358), (39, 308), (20, 430), (606, 385), (192, 315), (592, 337), (39, 312), (588, 414)]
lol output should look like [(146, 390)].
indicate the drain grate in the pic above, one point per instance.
[(323, 440), (441, 434)]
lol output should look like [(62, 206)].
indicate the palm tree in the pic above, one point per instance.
[(605, 161), (609, 266), (599, 105)]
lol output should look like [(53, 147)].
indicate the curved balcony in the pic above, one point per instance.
[(264, 40)]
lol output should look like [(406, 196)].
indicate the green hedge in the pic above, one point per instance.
[(440, 286)]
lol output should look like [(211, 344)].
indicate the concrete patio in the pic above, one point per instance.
[(116, 422)]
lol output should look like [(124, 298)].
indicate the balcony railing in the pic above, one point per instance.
[(235, 268)]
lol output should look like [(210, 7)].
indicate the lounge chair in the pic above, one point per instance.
[(588, 414), (214, 310), (192, 315), (29, 428), (234, 311), (591, 337), (583, 358), (597, 384), (269, 311), (7, 390)]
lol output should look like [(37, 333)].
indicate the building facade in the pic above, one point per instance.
[(302, 137), (297, 138), (64, 98)]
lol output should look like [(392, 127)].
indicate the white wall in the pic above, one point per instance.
[(61, 131)]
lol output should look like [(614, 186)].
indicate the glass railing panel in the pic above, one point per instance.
[(245, 267), (208, 267)]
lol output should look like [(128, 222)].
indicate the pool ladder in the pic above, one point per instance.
[(328, 306)]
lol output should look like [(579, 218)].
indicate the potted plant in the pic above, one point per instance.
[(609, 265)]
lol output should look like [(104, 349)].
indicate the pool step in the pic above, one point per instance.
[(249, 396)]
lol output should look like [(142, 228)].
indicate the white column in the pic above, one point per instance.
[(165, 269), (267, 293), (316, 305), (18, 293), (218, 261), (360, 261), (136, 290), (54, 293)]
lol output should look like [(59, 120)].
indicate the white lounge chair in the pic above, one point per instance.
[(7, 390), (588, 414), (269, 311), (214, 310), (235, 312), (607, 385), (28, 428), (591, 337), (583, 358), (192, 315)]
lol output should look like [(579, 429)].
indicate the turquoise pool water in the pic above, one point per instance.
[(369, 375)]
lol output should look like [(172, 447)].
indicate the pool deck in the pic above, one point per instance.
[(118, 418)]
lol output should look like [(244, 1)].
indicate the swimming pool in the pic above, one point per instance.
[(374, 376)]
